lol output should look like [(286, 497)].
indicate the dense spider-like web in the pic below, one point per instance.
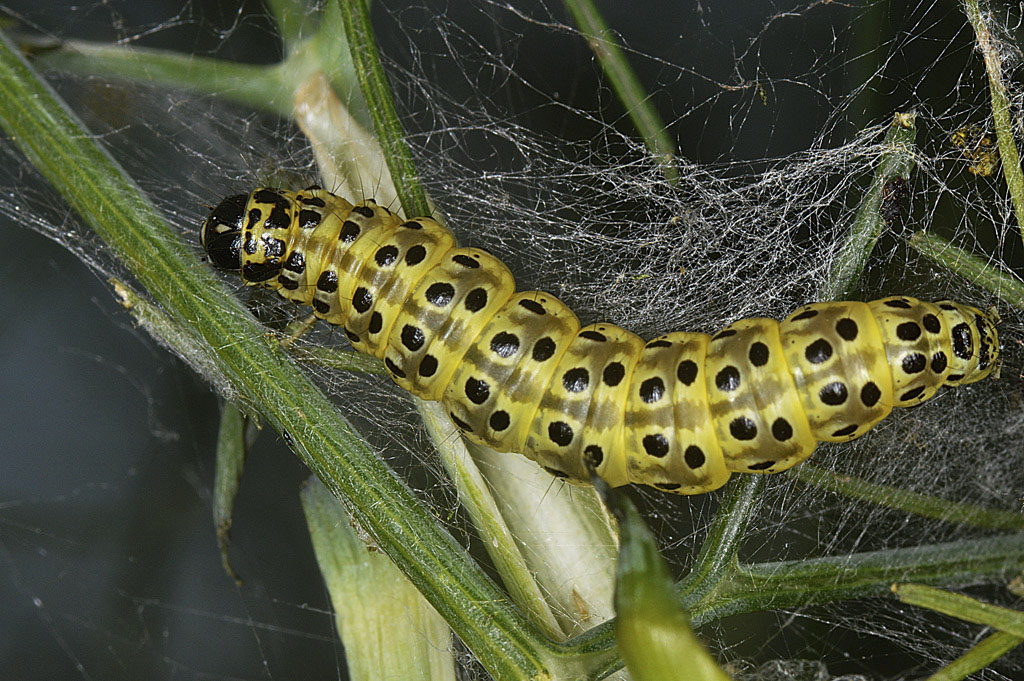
[(779, 113)]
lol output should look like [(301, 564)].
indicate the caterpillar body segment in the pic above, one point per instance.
[(441, 320), (523, 344), (518, 373)]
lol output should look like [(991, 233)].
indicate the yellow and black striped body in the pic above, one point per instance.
[(516, 371)]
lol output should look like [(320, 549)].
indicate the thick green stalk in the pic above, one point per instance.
[(261, 373)]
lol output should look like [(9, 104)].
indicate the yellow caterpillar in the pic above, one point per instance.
[(517, 373)]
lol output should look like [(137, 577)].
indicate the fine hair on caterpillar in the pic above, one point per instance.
[(517, 372)]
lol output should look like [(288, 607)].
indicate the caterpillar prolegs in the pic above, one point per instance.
[(516, 371)]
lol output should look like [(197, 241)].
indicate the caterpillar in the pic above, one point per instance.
[(517, 372)]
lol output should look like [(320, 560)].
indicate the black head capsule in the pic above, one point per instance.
[(221, 233)]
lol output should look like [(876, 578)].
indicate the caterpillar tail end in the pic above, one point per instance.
[(987, 355), (990, 341)]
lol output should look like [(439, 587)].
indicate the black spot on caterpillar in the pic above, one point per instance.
[(679, 413)]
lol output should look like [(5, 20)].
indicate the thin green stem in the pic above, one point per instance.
[(476, 498), (626, 84), (230, 459), (263, 87), (1003, 285), (962, 607), (879, 205), (923, 505), (334, 59), (790, 584), (377, 93), (1008, 155), (258, 87), (718, 553), (797, 583), (987, 651), (256, 369)]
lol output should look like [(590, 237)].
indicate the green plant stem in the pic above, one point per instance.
[(264, 87), (1010, 624), (377, 93), (797, 583), (896, 161), (962, 607), (258, 87), (1008, 155), (626, 84), (498, 539), (262, 374), (1006, 287), (789, 584), (290, 17), (720, 548), (230, 459), (923, 505), (987, 651)]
